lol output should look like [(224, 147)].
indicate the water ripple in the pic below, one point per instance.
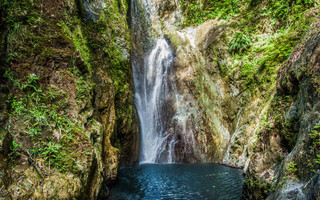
[(178, 181)]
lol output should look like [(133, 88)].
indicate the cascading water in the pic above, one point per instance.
[(165, 119), (168, 119), (150, 97)]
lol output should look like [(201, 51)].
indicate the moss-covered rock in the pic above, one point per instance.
[(248, 115), (293, 119), (69, 102)]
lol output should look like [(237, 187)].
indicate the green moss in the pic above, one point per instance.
[(78, 40), (281, 12), (259, 65), (197, 12), (315, 146), (288, 127), (107, 47), (47, 38), (264, 33)]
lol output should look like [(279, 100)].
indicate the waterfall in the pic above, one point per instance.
[(166, 133), (150, 96)]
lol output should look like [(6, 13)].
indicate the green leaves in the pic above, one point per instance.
[(315, 138), (292, 167), (318, 159), (197, 12), (239, 43), (315, 135), (14, 150), (51, 149), (286, 12), (42, 111)]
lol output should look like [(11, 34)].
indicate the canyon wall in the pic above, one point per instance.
[(247, 76), (67, 114), (255, 105)]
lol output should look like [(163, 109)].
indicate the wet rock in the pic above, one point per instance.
[(290, 191), (92, 9)]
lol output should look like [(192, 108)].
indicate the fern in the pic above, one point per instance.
[(239, 43)]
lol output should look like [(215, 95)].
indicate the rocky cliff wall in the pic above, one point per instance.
[(67, 114), (248, 78), (248, 74), (285, 160)]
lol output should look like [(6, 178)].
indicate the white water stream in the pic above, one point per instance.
[(150, 96), (166, 133)]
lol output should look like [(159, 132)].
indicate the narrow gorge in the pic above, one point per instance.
[(150, 99)]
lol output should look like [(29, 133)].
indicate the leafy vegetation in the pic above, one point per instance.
[(315, 147), (56, 62), (40, 119), (292, 167), (261, 37), (14, 150), (74, 48), (239, 43), (197, 12), (256, 40), (259, 187), (50, 151)]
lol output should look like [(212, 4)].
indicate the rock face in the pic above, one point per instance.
[(67, 117), (203, 94), (268, 129), (67, 120), (285, 160)]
